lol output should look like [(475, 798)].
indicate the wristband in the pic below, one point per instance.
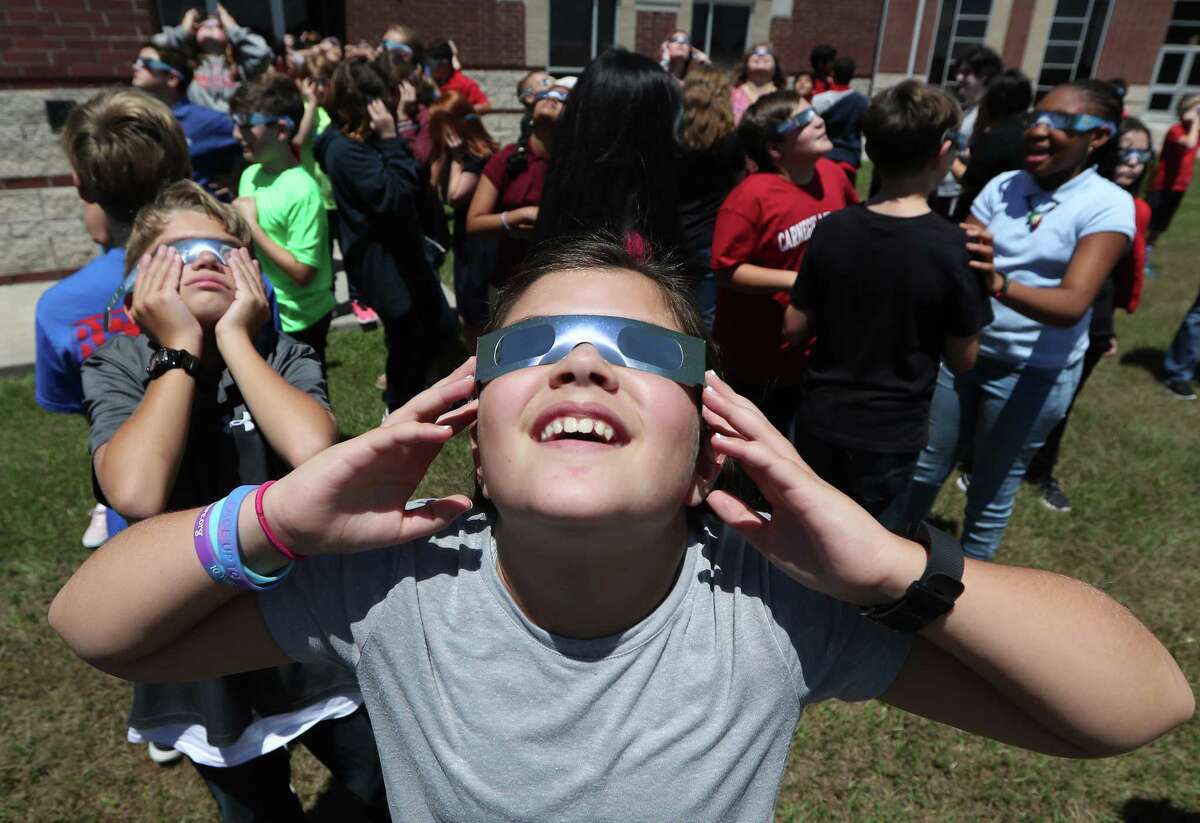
[(931, 596), (1003, 290), (504, 222), (203, 545), (266, 529), (229, 552)]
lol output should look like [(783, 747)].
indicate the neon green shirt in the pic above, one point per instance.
[(309, 160), (291, 213)]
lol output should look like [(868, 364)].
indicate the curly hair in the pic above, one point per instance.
[(707, 111)]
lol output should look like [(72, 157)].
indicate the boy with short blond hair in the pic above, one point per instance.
[(122, 145), (888, 290), (284, 207)]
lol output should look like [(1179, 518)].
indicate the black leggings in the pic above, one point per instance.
[(258, 790)]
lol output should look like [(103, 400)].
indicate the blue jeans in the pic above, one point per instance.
[(1004, 413), (1184, 354)]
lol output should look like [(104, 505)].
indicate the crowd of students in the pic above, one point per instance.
[(865, 348)]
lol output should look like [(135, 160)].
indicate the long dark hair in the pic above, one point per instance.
[(613, 168), (355, 83), (1109, 169), (1007, 94)]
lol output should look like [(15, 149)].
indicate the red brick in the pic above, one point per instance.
[(25, 57), (27, 16)]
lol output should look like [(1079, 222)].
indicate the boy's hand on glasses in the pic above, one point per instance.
[(308, 90), (816, 535), (351, 497), (250, 309), (157, 307), (383, 122)]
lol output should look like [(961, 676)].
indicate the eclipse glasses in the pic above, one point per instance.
[(541, 341), (189, 249)]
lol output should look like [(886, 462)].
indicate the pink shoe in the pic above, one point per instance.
[(366, 316)]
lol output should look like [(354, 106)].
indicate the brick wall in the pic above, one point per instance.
[(1135, 33), (52, 42), (851, 28), (1019, 22), (489, 34), (653, 27)]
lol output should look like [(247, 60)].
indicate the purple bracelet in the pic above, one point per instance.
[(204, 551)]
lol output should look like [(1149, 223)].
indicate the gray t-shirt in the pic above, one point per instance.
[(481, 715)]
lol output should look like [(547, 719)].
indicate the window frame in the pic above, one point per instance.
[(1086, 23), (1180, 88), (708, 28), (953, 39), (557, 68)]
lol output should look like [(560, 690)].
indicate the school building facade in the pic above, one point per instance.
[(57, 52)]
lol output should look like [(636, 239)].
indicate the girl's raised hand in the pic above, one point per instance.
[(383, 122), (351, 497), (815, 534)]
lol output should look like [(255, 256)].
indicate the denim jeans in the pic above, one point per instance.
[(1184, 354), (1003, 412)]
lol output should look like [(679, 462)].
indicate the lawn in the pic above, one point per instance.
[(1130, 461)]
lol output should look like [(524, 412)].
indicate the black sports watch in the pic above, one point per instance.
[(163, 360), (931, 596)]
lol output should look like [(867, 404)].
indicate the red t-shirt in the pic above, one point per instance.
[(1174, 171), (766, 221), (523, 189), (1130, 274), (467, 87)]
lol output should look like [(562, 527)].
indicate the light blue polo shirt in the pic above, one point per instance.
[(1038, 257)]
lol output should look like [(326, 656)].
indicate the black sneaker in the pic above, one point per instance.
[(1180, 389), (1053, 497)]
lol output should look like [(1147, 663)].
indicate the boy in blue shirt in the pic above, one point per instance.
[(122, 145)]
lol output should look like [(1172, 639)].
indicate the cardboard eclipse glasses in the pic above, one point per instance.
[(541, 341)]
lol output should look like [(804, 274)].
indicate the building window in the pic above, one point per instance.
[(1177, 72), (579, 30), (962, 25), (272, 19), (721, 30), (1076, 32)]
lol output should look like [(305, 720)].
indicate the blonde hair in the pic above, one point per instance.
[(124, 145), (182, 195), (1186, 103), (707, 110)]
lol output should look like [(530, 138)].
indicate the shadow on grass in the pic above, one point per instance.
[(1145, 357), (1145, 810)]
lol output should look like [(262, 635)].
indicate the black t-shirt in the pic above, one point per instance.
[(885, 293), (705, 178)]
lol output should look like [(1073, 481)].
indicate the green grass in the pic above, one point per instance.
[(1130, 461)]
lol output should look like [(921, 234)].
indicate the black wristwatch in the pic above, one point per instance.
[(931, 596), (163, 360)]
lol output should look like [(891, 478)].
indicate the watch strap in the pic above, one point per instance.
[(931, 596), (163, 360)]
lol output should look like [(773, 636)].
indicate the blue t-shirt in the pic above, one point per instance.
[(1038, 256), (211, 144), (69, 326)]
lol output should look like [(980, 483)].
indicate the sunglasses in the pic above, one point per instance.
[(532, 88), (258, 118), (1130, 156), (550, 94), (541, 341), (190, 249), (796, 122), (150, 64), (762, 52), (1064, 121), (681, 39), (392, 45)]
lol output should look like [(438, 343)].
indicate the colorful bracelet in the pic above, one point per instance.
[(215, 537), (266, 528)]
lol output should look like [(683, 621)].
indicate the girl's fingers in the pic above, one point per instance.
[(765, 466), (736, 514), (433, 517), (461, 417), (745, 418), (717, 423), (430, 404)]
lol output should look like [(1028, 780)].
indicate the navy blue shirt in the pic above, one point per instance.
[(211, 144)]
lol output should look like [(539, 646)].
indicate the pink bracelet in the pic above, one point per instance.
[(262, 522)]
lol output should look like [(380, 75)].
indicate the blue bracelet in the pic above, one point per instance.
[(225, 545)]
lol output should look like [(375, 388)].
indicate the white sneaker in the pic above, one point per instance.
[(162, 756), (97, 530)]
